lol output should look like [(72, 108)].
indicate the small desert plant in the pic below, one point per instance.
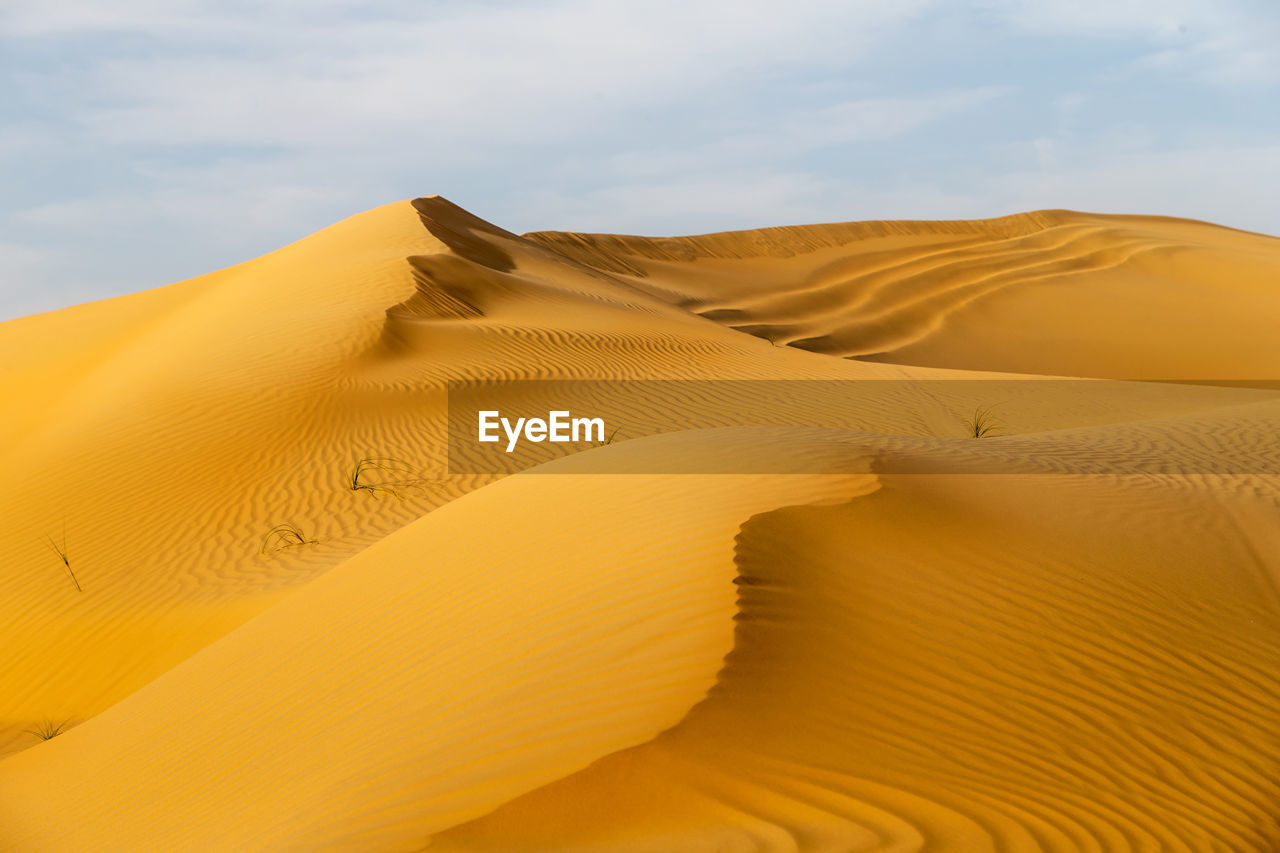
[(284, 536), (982, 422), (357, 479), (609, 440), (61, 551), (48, 730)]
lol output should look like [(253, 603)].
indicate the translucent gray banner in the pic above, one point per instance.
[(1013, 426)]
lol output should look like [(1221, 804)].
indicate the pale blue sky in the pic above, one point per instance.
[(147, 141)]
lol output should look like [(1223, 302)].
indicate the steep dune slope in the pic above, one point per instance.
[(164, 435), (575, 660)]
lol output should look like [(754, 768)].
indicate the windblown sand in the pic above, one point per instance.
[(577, 661)]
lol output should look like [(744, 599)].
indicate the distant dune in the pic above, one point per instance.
[(1057, 656)]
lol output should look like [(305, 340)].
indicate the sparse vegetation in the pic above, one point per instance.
[(61, 551), (982, 422), (609, 440), (48, 730), (362, 473), (284, 536)]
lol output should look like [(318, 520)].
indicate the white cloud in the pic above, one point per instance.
[(883, 118), (1227, 42), (678, 206), (512, 71), (36, 18), (234, 216), (21, 140), (17, 260), (790, 133), (230, 203), (26, 274), (1227, 185), (169, 137)]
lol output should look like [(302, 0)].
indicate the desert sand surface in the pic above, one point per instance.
[(1006, 643)]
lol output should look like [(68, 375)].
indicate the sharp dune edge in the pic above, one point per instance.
[(646, 662)]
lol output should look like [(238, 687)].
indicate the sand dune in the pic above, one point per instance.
[(1054, 292), (1021, 646)]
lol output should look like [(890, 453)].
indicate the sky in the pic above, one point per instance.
[(147, 141)]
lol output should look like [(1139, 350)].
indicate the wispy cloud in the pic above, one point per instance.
[(1225, 184), (169, 137), (1231, 42), (19, 266), (783, 136), (502, 76)]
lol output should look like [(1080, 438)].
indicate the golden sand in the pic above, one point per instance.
[(576, 661)]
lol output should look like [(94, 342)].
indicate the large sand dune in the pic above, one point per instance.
[(1020, 646)]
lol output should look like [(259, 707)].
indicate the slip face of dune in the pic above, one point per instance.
[(1056, 657)]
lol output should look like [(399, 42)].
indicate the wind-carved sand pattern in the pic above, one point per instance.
[(1060, 657)]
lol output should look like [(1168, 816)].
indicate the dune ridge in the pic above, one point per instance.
[(1058, 657)]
